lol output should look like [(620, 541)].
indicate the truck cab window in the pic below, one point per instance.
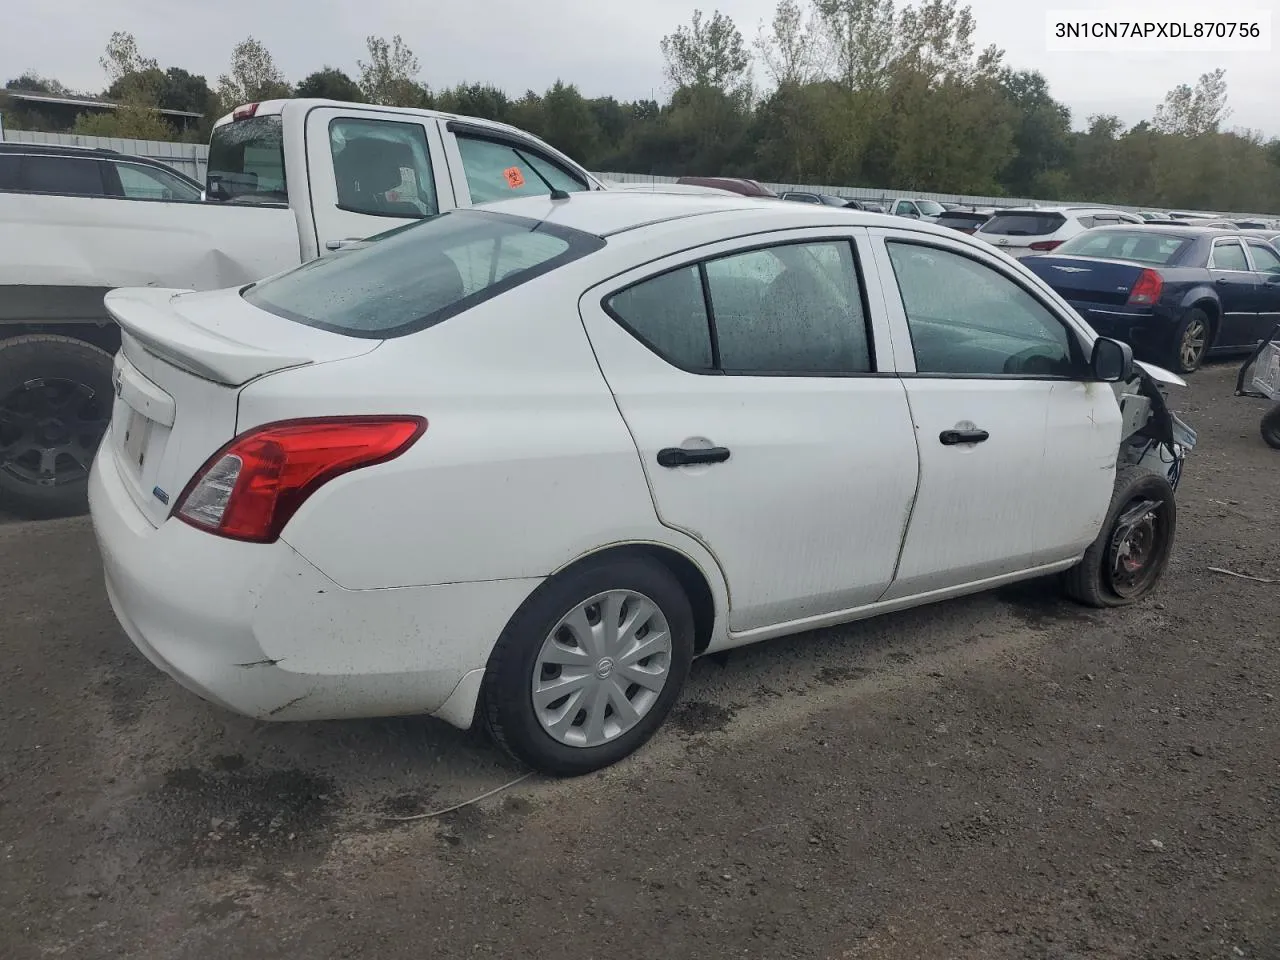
[(500, 171), (383, 168), (246, 161)]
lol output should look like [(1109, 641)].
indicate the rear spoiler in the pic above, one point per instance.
[(147, 315)]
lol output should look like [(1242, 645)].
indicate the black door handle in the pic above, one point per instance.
[(683, 457), (1223, 280), (950, 438)]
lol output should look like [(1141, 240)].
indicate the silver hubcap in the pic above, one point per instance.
[(1193, 343), (602, 668)]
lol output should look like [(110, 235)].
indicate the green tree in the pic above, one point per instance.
[(476, 100), (32, 82), (568, 123), (388, 75), (138, 123), (330, 83), (708, 53), (789, 47), (861, 39), (253, 77), (1192, 112), (1041, 136)]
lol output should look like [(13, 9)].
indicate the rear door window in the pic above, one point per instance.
[(1265, 258), (382, 168), (500, 171), (1229, 255), (73, 176), (1024, 224), (138, 182)]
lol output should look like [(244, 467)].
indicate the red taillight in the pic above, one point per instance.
[(250, 488), (244, 112), (1148, 288), (1042, 245)]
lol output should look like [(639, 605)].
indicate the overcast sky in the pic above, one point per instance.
[(604, 46)]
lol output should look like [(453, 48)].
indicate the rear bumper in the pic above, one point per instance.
[(258, 630), (1145, 331)]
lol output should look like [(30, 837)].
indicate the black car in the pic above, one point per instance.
[(83, 172), (966, 221), (1175, 294)]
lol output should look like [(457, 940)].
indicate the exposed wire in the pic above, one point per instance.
[(465, 803)]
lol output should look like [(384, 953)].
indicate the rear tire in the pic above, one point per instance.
[(1271, 427), (1192, 339), (55, 405), (567, 735), (1122, 567)]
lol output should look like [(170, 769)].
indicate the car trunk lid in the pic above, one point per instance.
[(1086, 279), (183, 360)]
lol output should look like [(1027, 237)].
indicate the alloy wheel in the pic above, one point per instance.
[(50, 429), (1194, 340)]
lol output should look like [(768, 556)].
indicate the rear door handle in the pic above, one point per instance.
[(684, 456), (951, 438), (342, 244)]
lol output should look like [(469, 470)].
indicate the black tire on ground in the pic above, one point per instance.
[(506, 702), (55, 404), (1182, 357), (1271, 427), (1090, 582)]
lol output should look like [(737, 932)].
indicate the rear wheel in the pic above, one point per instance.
[(1271, 427), (1191, 340), (590, 666), (1131, 553), (55, 404)]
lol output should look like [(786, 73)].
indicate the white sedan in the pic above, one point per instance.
[(523, 464)]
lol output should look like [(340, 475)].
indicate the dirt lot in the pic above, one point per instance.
[(1005, 776)]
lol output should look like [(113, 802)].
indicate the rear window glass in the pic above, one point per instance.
[(961, 219), (246, 161), (74, 176), (415, 276), (1030, 224), (1141, 246)]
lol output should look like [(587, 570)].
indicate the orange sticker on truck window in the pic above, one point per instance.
[(515, 179)]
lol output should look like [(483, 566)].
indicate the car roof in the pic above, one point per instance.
[(1062, 209), (605, 213), (55, 149), (1163, 230)]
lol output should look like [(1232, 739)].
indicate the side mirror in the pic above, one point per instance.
[(1112, 361)]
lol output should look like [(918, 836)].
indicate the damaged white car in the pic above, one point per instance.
[(521, 464)]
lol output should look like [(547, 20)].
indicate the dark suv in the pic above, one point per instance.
[(84, 172)]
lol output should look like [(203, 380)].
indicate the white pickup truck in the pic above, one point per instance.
[(288, 180)]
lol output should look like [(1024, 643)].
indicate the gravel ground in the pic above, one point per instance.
[(1003, 776)]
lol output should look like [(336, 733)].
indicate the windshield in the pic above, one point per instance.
[(930, 208), (417, 275), (1023, 224), (246, 161)]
